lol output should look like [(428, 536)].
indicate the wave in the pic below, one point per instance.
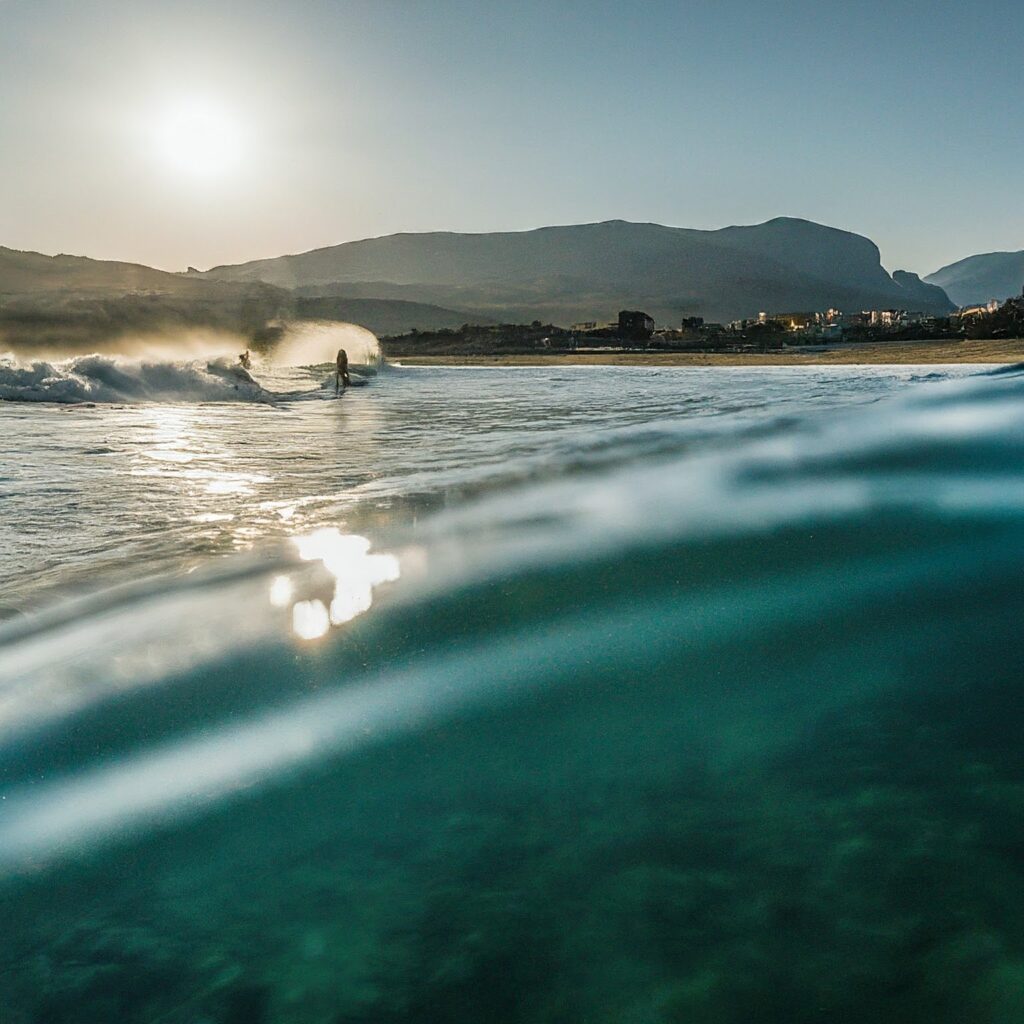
[(109, 379), (725, 736)]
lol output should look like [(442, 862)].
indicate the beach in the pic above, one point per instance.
[(906, 353)]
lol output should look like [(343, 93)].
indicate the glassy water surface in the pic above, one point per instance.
[(517, 695)]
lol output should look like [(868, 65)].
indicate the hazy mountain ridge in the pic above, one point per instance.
[(588, 270), (25, 273), (74, 303), (443, 279), (56, 303), (977, 279)]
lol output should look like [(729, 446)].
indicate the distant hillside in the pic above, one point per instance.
[(32, 273), (64, 303), (561, 274), (442, 280), (382, 316), (991, 275), (72, 302)]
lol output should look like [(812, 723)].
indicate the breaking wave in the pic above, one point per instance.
[(108, 379)]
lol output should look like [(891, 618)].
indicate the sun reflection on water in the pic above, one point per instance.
[(355, 571), (310, 620), (281, 591), (173, 448)]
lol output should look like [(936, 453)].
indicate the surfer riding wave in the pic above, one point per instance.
[(341, 376)]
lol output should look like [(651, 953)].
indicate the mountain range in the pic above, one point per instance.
[(443, 279), (977, 279), (588, 271), (73, 302)]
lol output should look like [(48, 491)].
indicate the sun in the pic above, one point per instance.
[(198, 138)]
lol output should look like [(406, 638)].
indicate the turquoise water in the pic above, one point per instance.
[(650, 696)]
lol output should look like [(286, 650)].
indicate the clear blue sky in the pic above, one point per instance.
[(899, 120)]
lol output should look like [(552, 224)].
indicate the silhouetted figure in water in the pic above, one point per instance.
[(341, 378), (245, 360)]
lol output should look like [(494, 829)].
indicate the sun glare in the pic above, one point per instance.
[(198, 138)]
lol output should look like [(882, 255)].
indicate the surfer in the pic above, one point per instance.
[(341, 378), (245, 360)]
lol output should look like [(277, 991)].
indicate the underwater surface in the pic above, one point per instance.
[(517, 695)]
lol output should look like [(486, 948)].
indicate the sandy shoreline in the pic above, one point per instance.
[(913, 352)]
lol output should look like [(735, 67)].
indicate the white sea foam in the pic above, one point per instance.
[(107, 379)]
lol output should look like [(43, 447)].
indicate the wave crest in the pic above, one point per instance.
[(108, 379)]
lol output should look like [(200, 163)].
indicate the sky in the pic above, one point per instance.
[(183, 133)]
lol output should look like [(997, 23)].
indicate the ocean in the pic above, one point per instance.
[(550, 694)]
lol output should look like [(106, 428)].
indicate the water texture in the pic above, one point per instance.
[(653, 696)]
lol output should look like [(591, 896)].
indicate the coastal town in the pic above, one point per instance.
[(803, 331)]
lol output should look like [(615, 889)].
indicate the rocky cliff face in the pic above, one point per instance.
[(918, 295), (582, 271)]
